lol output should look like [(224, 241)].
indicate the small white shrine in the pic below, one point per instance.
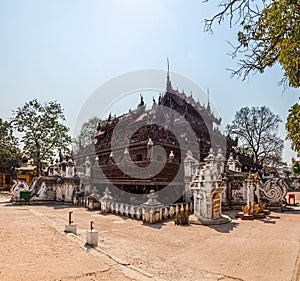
[(207, 187)]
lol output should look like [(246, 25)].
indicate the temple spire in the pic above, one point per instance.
[(208, 103), (168, 74), (169, 84)]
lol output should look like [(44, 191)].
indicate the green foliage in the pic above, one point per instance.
[(182, 218), (296, 169), (43, 130), (87, 133), (9, 153), (256, 129), (269, 34), (293, 127), (277, 35)]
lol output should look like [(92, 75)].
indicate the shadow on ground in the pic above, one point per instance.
[(154, 225), (224, 228)]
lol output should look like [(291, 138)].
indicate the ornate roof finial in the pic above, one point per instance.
[(169, 85), (159, 99), (208, 103), (142, 103), (168, 75)]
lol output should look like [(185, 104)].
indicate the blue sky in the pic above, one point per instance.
[(64, 50)]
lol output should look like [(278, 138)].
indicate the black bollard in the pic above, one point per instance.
[(70, 218), (92, 225)]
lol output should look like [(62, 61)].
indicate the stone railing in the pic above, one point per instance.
[(80, 201), (149, 215), (150, 212)]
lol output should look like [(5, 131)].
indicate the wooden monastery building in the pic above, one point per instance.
[(125, 145)]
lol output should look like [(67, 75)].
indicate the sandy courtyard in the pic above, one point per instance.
[(34, 247)]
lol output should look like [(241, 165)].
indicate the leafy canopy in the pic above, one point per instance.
[(10, 157), (269, 34), (296, 169), (43, 128), (256, 129), (88, 131), (293, 127)]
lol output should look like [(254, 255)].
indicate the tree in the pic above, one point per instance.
[(44, 132), (10, 156), (87, 133), (293, 127), (256, 129), (269, 34), (296, 169)]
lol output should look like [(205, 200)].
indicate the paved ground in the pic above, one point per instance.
[(34, 247)]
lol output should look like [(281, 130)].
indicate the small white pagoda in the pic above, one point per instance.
[(207, 186)]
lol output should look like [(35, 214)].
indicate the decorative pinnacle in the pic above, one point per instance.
[(250, 176), (168, 74)]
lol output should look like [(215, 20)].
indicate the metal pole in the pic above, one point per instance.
[(70, 218), (92, 225)]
